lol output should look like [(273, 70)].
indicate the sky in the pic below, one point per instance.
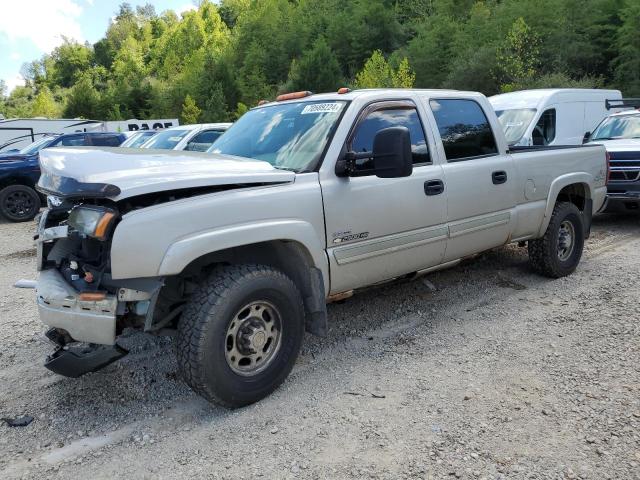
[(31, 28)]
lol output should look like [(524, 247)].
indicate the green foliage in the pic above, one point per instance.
[(518, 57), (19, 102), (83, 100), (227, 55), (403, 77), (190, 111), (377, 73), (240, 110), (627, 64), (317, 70), (44, 105)]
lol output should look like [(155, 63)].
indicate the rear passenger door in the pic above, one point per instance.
[(478, 177)]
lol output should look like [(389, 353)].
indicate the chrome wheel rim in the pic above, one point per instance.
[(566, 240), (253, 338)]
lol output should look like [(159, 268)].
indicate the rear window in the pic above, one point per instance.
[(464, 129)]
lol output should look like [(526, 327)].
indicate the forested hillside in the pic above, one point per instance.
[(213, 63)]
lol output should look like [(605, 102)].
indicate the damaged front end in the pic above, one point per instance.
[(77, 298)]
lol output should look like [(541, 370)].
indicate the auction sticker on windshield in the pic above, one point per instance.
[(321, 108)]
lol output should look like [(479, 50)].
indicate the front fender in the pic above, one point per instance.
[(186, 250), (583, 178)]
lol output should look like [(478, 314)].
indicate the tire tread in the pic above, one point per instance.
[(195, 323)]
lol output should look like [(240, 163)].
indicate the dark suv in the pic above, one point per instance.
[(20, 171)]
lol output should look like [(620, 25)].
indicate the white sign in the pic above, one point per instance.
[(134, 125)]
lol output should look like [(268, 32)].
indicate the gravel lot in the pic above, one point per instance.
[(482, 371)]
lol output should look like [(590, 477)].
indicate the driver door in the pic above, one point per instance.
[(381, 228)]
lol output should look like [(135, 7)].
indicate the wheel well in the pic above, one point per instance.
[(290, 257), (576, 193), (5, 182)]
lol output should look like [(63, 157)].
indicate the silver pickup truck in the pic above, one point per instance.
[(301, 202)]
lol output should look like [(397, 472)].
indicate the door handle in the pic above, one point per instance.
[(499, 177), (433, 187)]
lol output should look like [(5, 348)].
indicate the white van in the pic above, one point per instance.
[(560, 116)]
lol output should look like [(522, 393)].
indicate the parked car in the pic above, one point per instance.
[(19, 171), (334, 193), (136, 139), (558, 116), (620, 135), (195, 138)]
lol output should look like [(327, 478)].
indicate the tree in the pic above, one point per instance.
[(433, 50), (518, 57), (231, 52), (377, 73), (3, 95), (627, 63), (83, 100), (317, 70), (404, 77), (190, 111), (70, 60), (44, 105)]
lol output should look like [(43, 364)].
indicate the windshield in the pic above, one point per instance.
[(515, 122), (613, 128), (137, 139), (37, 145), (291, 136), (166, 140)]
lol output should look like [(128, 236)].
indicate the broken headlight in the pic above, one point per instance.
[(93, 222)]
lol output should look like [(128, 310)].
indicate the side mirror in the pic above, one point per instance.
[(585, 139), (392, 156)]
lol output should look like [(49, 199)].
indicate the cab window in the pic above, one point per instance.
[(464, 129), (377, 120), (545, 130)]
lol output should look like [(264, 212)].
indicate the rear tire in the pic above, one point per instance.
[(240, 334), (19, 203), (558, 252)]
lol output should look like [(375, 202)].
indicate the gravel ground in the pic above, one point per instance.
[(481, 371)]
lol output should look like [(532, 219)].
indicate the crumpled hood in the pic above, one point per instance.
[(132, 171)]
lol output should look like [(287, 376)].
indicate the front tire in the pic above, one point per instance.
[(19, 203), (557, 254), (240, 334)]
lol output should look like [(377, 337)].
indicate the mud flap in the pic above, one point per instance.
[(316, 306), (587, 217)]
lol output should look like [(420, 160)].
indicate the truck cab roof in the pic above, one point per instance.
[(375, 94)]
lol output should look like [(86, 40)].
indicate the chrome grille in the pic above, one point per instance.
[(624, 166)]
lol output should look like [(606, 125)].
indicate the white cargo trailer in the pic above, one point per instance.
[(16, 133)]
